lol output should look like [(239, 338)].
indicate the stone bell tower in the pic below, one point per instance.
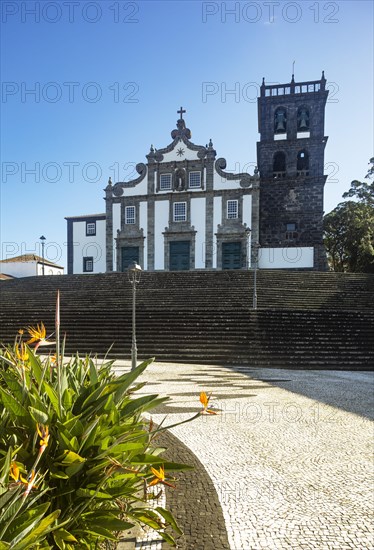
[(290, 158)]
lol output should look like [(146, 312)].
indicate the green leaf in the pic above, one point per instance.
[(52, 396), (146, 517), (89, 435), (12, 404), (5, 472), (142, 404), (93, 373), (106, 519), (38, 532), (167, 538), (13, 384), (61, 535), (36, 365), (169, 518), (69, 457), (4, 545), (74, 469), (26, 522), (121, 448), (89, 493), (40, 417), (101, 532), (151, 459)]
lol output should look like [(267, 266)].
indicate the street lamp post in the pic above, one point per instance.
[(134, 273), (42, 239)]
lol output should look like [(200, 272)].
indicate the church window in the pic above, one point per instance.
[(280, 121), (180, 211), (88, 264), (302, 166), (165, 182), (232, 209), (194, 180), (279, 165), (130, 214), (303, 119), (90, 229), (291, 233)]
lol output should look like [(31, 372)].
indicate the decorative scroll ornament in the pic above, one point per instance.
[(118, 188), (246, 180)]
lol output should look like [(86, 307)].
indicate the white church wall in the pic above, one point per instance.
[(173, 155), (161, 221), (221, 184), (116, 214), (286, 258), (49, 270), (143, 224), (198, 221), (139, 189), (89, 246), (217, 219), (19, 269), (247, 210), (247, 219)]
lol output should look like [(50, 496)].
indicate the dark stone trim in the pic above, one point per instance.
[(246, 180), (70, 243), (118, 188), (89, 218), (194, 502)]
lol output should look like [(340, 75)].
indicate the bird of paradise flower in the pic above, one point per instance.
[(38, 335), (204, 400), (160, 477)]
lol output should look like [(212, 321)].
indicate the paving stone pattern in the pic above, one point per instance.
[(289, 454)]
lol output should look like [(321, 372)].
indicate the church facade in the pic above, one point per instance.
[(185, 212)]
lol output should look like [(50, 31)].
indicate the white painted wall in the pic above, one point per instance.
[(143, 224), (28, 269), (198, 221), (49, 270), (217, 219), (220, 183), (161, 221), (116, 214), (286, 258), (247, 210), (89, 246), (173, 155), (139, 189), (19, 269)]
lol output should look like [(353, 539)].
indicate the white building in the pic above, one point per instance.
[(29, 265), (185, 212)]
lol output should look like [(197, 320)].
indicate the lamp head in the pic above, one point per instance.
[(134, 272)]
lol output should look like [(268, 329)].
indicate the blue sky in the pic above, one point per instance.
[(87, 87)]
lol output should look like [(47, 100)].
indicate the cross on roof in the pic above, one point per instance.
[(181, 111)]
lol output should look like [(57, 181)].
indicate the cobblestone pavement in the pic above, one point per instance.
[(289, 454)]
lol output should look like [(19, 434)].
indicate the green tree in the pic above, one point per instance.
[(349, 229)]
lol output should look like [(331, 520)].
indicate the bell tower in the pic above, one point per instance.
[(290, 158)]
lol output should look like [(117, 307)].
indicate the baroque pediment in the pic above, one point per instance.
[(181, 148)]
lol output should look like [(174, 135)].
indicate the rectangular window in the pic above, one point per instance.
[(180, 210), (291, 233), (232, 209), (90, 228), (130, 214), (165, 182), (88, 264), (194, 180)]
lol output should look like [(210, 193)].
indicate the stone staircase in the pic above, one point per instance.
[(304, 319)]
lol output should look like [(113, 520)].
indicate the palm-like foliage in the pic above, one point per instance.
[(76, 454)]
